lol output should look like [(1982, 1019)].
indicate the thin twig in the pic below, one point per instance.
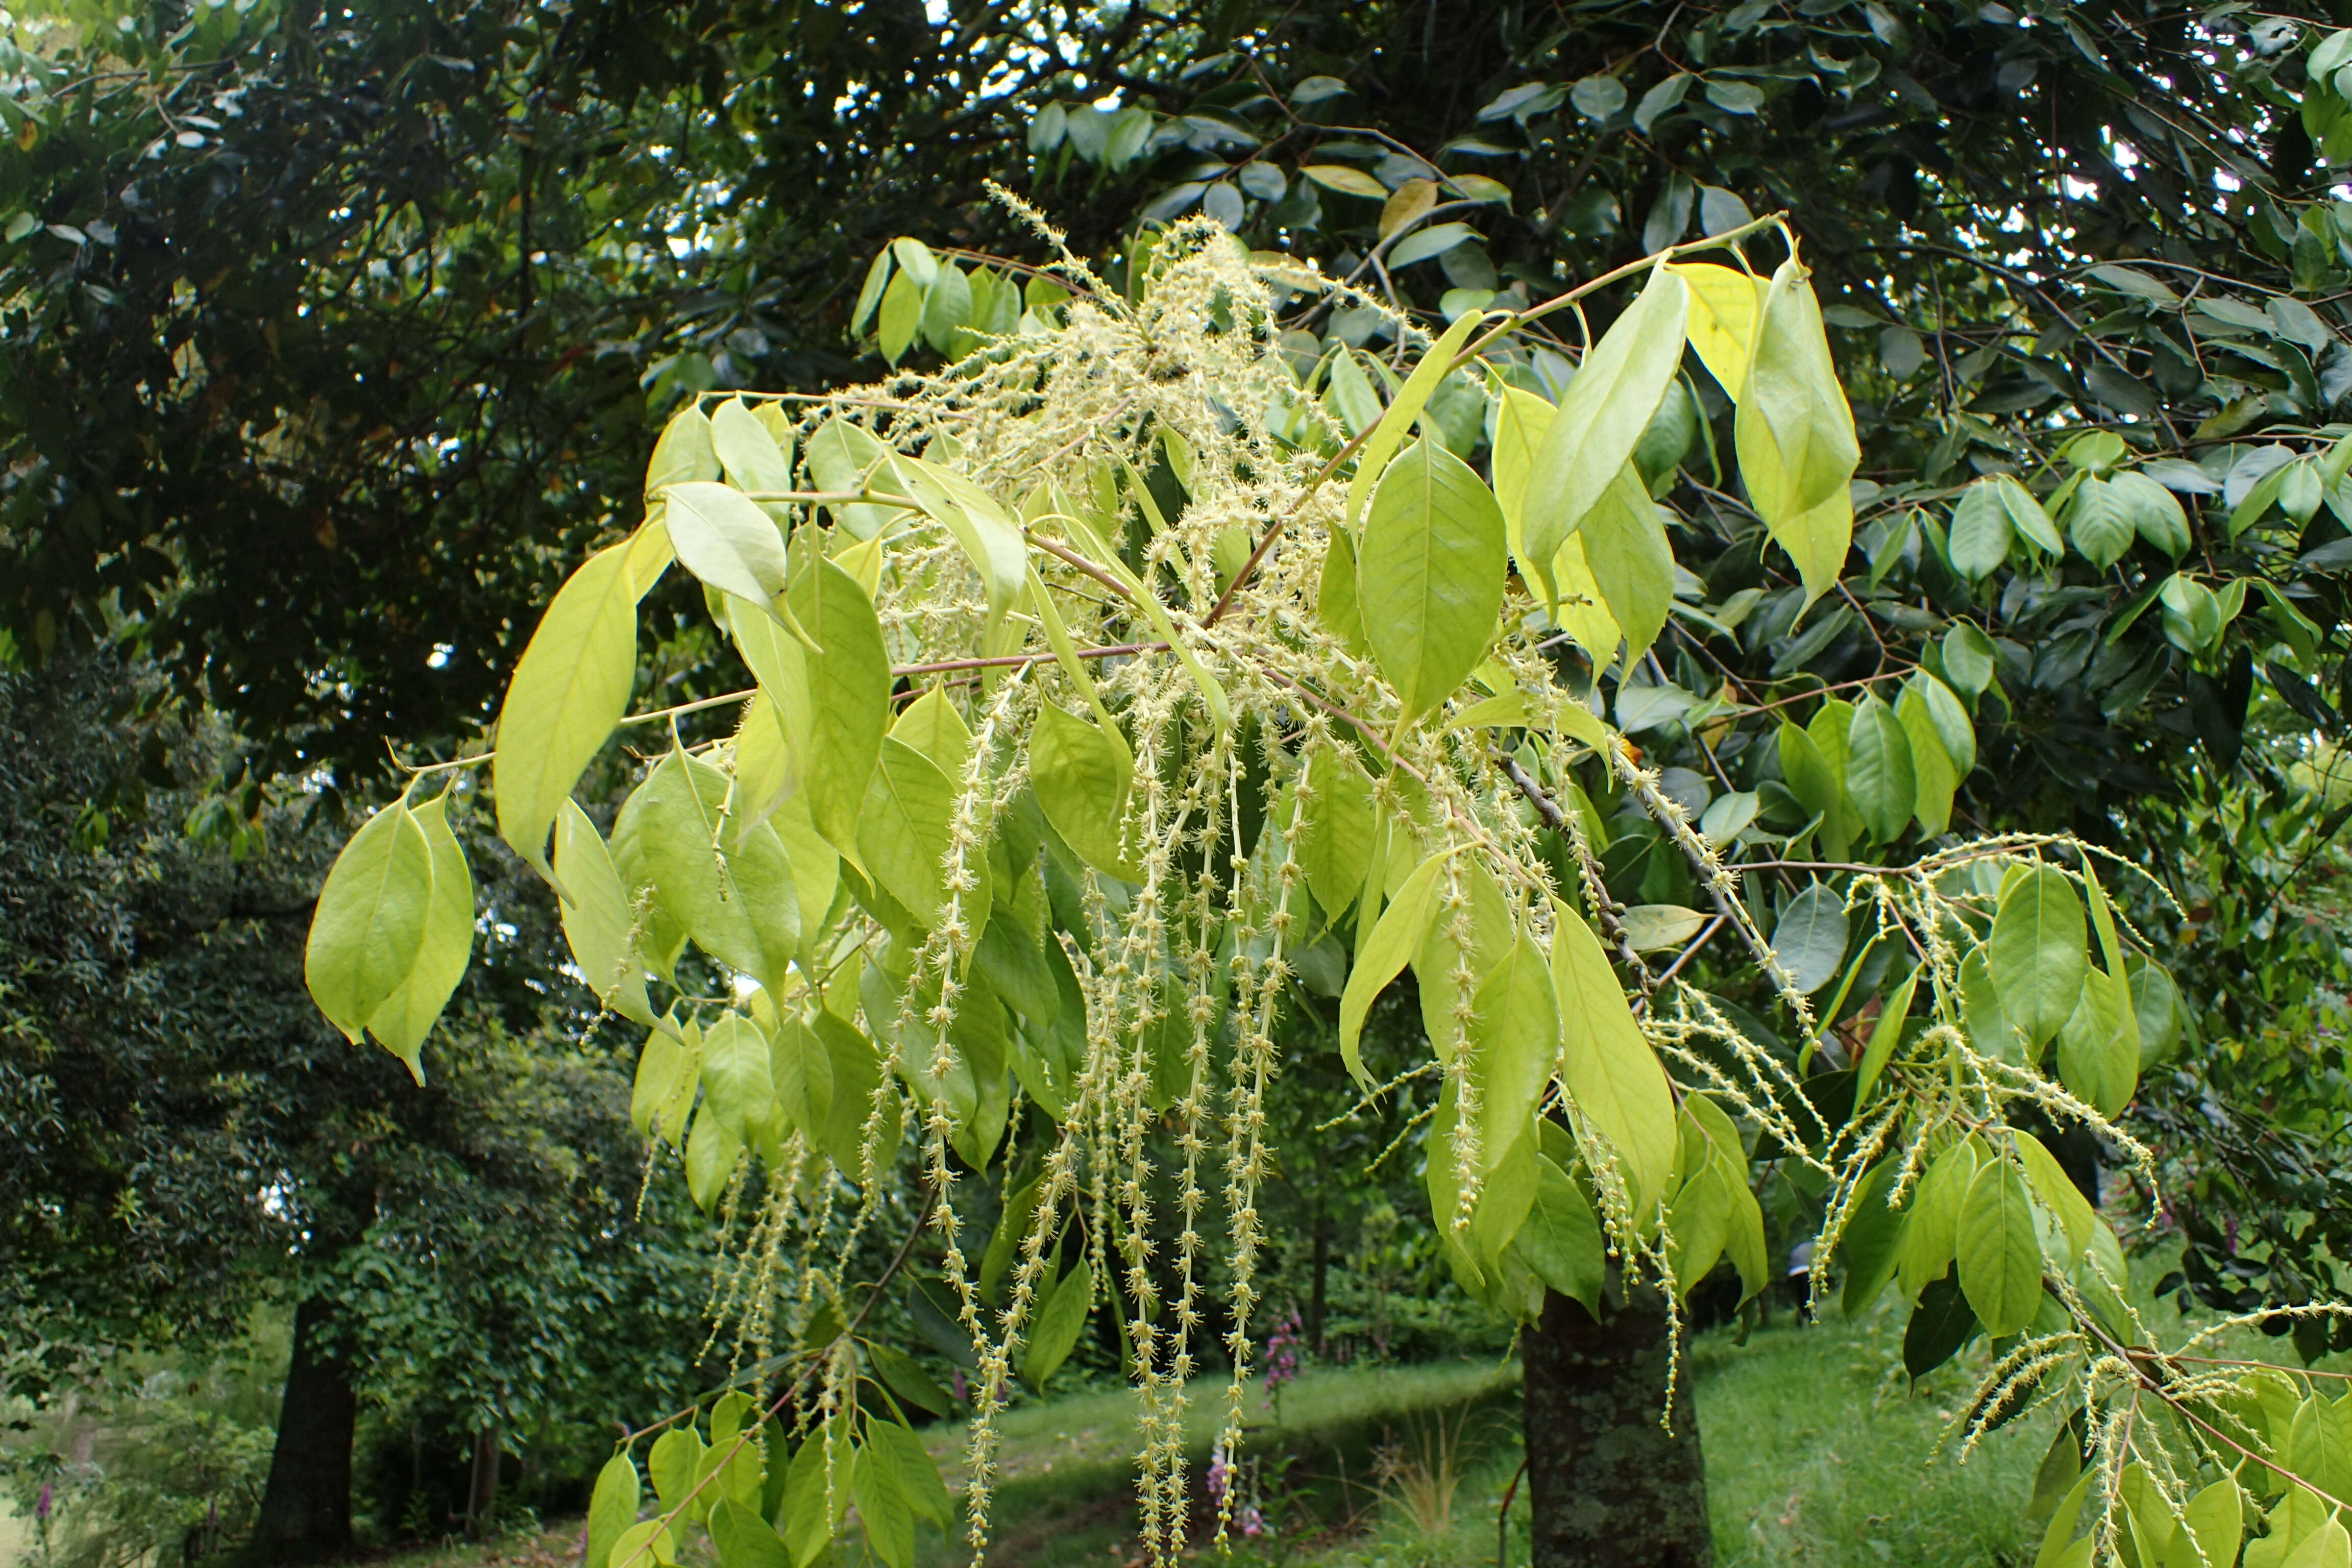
[(1036, 656)]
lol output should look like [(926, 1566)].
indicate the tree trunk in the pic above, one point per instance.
[(305, 1511), (482, 1490), (1608, 1487)]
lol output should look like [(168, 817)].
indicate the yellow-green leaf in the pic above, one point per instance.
[(1082, 773), (1383, 955), (1602, 415), (1878, 776), (731, 888), (1934, 779), (570, 688), (1631, 561), (1334, 844), (1514, 1044), (1561, 1238), (2058, 1194), (902, 312), (739, 1087), (598, 921), (849, 695), (1393, 425), (369, 925), (752, 456), (1349, 182), (1429, 577), (1611, 1073), (668, 1072), (904, 833), (403, 1019), (612, 1508), (1884, 1037), (1794, 433), (2000, 1259), (2036, 952), (989, 535), (1335, 601), (711, 1151), (1060, 1318), (726, 541), (685, 451)]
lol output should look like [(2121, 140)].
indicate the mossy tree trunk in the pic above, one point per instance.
[(1609, 1485)]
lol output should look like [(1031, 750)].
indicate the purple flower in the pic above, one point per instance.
[(41, 1505)]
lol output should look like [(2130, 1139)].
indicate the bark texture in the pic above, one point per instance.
[(1607, 1485), (305, 1511)]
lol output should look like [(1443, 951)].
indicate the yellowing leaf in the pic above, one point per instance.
[(1724, 305), (1349, 182), (1795, 433), (570, 688)]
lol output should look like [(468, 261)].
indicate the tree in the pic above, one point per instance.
[(1914, 93), (187, 1140), (1017, 629), (310, 307)]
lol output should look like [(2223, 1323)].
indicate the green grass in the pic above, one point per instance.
[(1817, 1456)]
